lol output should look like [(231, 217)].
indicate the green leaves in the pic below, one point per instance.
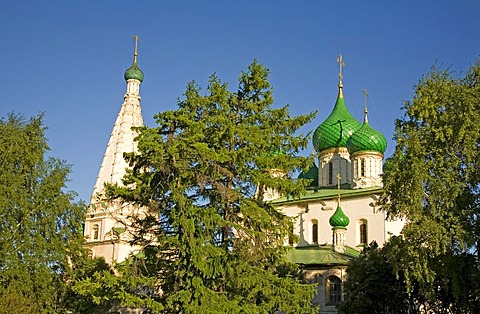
[(39, 222), (433, 179)]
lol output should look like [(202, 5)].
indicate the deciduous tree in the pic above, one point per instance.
[(433, 181), (40, 223)]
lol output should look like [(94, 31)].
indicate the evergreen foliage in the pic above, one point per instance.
[(40, 223), (202, 173)]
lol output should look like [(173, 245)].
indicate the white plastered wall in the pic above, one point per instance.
[(356, 208)]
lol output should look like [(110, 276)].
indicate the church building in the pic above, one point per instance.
[(338, 216), (334, 220)]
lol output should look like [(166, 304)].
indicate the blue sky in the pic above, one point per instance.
[(67, 58)]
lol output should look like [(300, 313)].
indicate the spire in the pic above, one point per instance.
[(365, 110), (340, 76), (122, 138), (109, 225)]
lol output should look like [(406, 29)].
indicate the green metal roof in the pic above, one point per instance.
[(321, 255), (325, 193), (336, 129), (367, 139)]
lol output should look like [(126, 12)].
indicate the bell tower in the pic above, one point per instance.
[(108, 223)]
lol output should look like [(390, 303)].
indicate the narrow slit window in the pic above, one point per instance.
[(330, 173), (363, 168), (315, 232)]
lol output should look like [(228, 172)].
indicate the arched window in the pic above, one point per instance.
[(362, 228), (315, 231), (95, 232), (330, 173), (333, 290)]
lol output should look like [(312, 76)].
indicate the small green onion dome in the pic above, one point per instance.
[(311, 174), (367, 139), (134, 72), (339, 219), (336, 129)]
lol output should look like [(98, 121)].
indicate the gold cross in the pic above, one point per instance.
[(137, 39), (365, 111), (341, 64)]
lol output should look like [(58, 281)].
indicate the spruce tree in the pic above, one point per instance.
[(201, 173)]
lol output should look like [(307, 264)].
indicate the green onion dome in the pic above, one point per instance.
[(339, 219), (367, 139), (134, 72), (311, 174), (337, 128)]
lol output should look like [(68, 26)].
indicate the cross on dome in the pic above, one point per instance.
[(135, 54), (341, 65), (365, 110)]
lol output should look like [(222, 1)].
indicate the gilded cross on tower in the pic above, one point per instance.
[(341, 64), (339, 178), (135, 54), (365, 111)]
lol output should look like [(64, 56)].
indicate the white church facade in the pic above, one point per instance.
[(334, 220)]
